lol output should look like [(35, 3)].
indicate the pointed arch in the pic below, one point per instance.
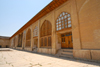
[(20, 37), (46, 32), (46, 28), (28, 38), (63, 21)]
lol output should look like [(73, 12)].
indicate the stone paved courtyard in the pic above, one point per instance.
[(16, 58)]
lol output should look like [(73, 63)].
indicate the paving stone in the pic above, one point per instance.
[(15, 58)]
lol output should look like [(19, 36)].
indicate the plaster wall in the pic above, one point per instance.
[(89, 21)]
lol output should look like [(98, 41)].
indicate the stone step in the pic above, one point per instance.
[(67, 50), (35, 50), (68, 53), (65, 55)]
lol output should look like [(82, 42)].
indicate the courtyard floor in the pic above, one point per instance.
[(17, 58)]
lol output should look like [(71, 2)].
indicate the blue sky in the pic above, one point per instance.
[(15, 13)]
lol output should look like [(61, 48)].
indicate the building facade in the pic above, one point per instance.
[(63, 25), (4, 42)]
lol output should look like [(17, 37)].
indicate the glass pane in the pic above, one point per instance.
[(63, 27), (62, 18), (69, 25), (68, 15), (65, 23), (65, 16), (69, 18), (62, 21), (60, 25), (59, 22), (63, 13), (66, 26), (69, 22), (59, 28), (60, 15), (65, 19)]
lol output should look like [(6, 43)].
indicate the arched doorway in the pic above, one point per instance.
[(63, 23), (28, 38)]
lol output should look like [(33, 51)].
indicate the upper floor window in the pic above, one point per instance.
[(46, 28), (35, 31), (63, 21)]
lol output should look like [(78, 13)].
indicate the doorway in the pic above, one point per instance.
[(66, 41), (6, 46), (36, 43), (0, 46)]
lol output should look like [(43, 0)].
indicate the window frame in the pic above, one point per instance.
[(60, 23), (46, 32)]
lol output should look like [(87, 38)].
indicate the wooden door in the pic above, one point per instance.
[(63, 42), (66, 41), (70, 44)]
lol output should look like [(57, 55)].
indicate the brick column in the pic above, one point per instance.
[(53, 35), (75, 26), (39, 34)]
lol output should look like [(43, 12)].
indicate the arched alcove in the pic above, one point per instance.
[(46, 30)]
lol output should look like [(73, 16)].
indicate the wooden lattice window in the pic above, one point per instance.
[(46, 30), (41, 41), (14, 42), (49, 41), (28, 38), (35, 32), (63, 21), (20, 40)]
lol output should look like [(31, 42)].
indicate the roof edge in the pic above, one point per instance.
[(50, 7)]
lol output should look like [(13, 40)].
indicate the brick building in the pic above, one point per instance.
[(68, 28), (4, 42)]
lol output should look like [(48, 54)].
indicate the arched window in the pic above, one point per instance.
[(14, 42), (35, 32), (24, 35), (46, 31), (63, 21), (20, 40), (28, 38)]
